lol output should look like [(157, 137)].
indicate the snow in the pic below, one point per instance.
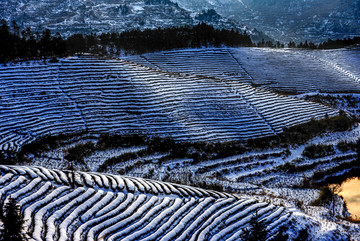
[(26, 190), (152, 225), (245, 216), (102, 215), (14, 184), (128, 206), (307, 72), (203, 217), (36, 217), (172, 98), (149, 216), (97, 158), (118, 96), (5, 178), (106, 198), (137, 8), (57, 213)]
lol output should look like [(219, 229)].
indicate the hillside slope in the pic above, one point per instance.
[(285, 70), (111, 207), (87, 93), (287, 20), (94, 16)]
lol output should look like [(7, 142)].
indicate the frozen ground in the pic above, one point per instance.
[(97, 95), (254, 174), (283, 70), (190, 95), (110, 207)]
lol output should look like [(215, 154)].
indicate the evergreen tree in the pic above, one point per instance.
[(281, 235), (306, 45), (292, 44), (5, 42), (12, 222), (256, 231), (303, 235)]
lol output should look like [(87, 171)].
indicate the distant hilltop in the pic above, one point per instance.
[(287, 20), (94, 16)]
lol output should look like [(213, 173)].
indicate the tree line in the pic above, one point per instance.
[(16, 44), (329, 44)]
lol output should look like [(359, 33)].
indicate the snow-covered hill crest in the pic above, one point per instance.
[(61, 205), (92, 206)]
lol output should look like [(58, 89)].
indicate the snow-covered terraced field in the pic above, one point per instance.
[(112, 207), (210, 62), (285, 70), (345, 60), (118, 96), (300, 71)]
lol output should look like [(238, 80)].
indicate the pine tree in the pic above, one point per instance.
[(281, 234), (256, 231), (12, 222)]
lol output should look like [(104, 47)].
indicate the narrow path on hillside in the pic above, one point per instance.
[(238, 62), (71, 100)]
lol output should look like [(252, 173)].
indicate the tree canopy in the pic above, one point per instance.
[(12, 222), (16, 44)]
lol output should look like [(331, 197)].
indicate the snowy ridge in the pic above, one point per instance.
[(118, 96), (334, 66), (300, 71), (55, 211), (104, 182), (286, 70)]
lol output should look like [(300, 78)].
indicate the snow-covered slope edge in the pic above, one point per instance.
[(114, 207), (111, 207)]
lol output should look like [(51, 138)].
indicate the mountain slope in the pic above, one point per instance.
[(87, 93), (315, 20), (284, 70), (68, 17), (112, 207)]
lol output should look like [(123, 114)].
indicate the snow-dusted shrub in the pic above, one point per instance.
[(316, 151)]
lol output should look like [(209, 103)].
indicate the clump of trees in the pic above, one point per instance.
[(107, 141), (150, 40), (329, 44), (322, 177), (345, 146), (12, 222), (324, 196), (316, 151), (42, 144), (339, 43), (79, 152), (301, 133), (270, 44), (16, 44), (256, 230)]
